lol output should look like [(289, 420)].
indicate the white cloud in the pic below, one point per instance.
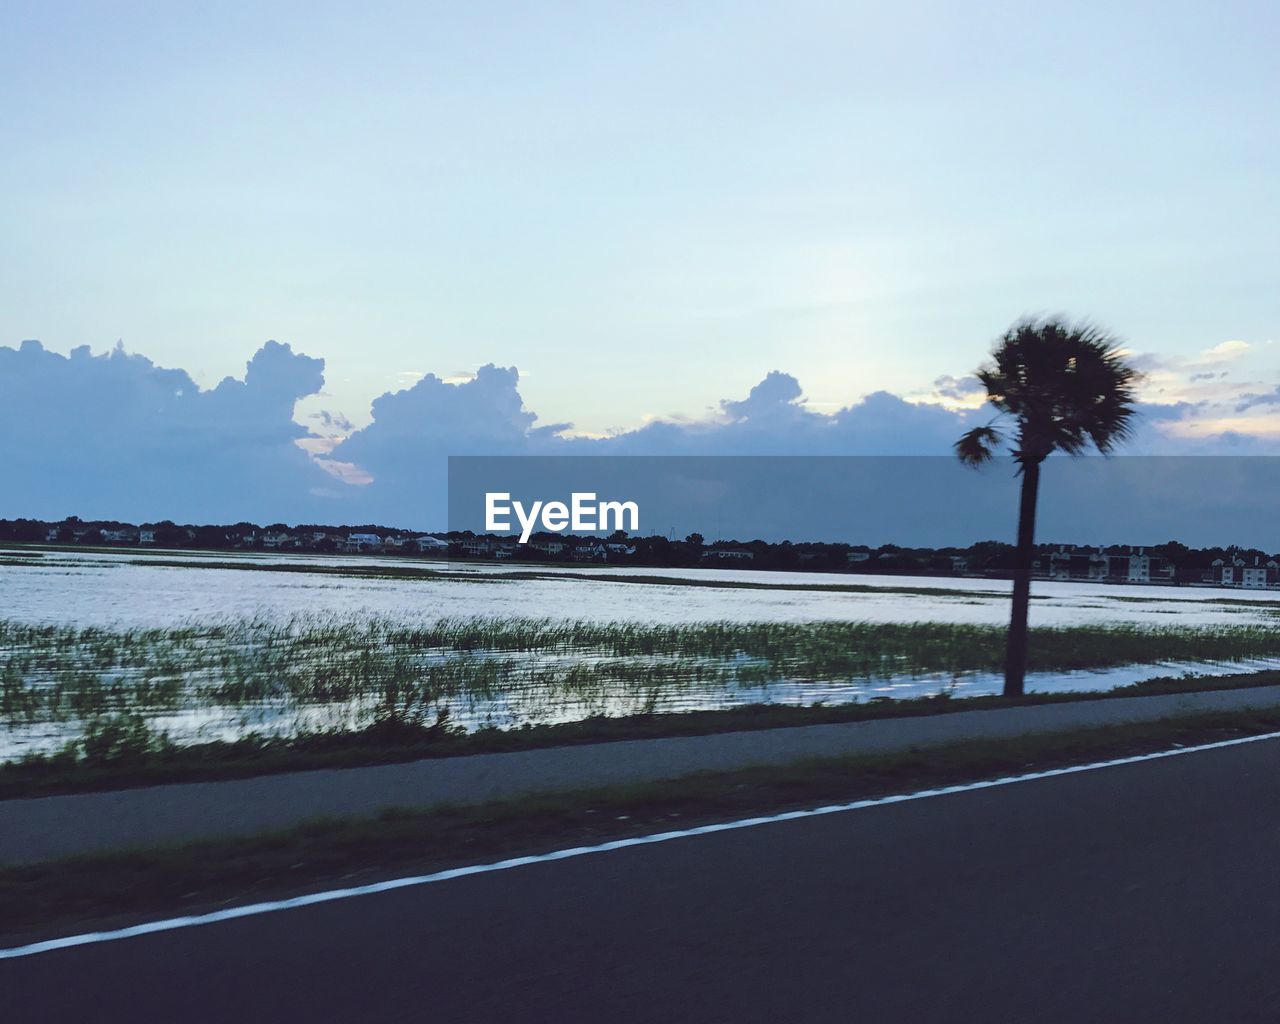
[(115, 435), (1223, 352)]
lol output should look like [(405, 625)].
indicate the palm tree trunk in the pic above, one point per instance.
[(1015, 658)]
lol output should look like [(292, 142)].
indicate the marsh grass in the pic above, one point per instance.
[(370, 670)]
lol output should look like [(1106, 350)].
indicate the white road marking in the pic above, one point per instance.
[(331, 895)]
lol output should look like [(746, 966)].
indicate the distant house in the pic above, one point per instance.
[(1253, 576), (1258, 574), (547, 546), (728, 555), (476, 547), (856, 556), (51, 534), (1236, 570), (1089, 565), (1138, 567), (146, 535), (1116, 565), (278, 539), (959, 564), (357, 542), (124, 535), (592, 551), (1135, 566), (1072, 562), (1227, 571), (431, 545)]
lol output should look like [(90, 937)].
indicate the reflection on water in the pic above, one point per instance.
[(132, 590)]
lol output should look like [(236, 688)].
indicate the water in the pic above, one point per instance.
[(132, 590), (135, 590)]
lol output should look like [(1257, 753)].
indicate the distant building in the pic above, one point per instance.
[(592, 551), (357, 542), (1257, 574), (1235, 570), (431, 545), (1069, 562), (1138, 566), (728, 555), (1116, 565), (1229, 572)]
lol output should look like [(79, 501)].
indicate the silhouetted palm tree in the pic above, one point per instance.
[(1066, 388)]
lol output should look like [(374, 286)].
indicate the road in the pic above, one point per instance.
[(1145, 892)]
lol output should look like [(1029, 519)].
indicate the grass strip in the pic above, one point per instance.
[(143, 759), (111, 890), (531, 669)]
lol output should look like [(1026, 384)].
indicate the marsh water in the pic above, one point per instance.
[(169, 590)]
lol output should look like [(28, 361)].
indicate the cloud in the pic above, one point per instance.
[(966, 390), (403, 451), (1253, 399), (1211, 392), (484, 415), (1223, 352), (115, 436), (335, 422), (778, 396), (405, 447)]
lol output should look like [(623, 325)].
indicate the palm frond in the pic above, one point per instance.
[(978, 445), (1066, 384)]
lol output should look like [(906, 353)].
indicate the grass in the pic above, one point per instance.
[(355, 673), (56, 673), (123, 751), (48, 898)]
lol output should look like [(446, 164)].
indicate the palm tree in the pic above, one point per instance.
[(1066, 388)]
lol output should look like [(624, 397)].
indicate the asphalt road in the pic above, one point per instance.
[(1148, 892)]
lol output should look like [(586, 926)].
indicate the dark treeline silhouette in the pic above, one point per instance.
[(1167, 563)]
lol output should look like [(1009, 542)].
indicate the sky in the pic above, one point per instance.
[(635, 214)]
